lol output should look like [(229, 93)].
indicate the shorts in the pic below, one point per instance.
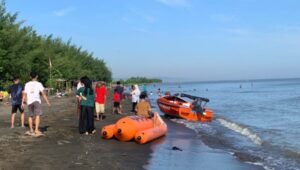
[(35, 109), (17, 107), (117, 104), (100, 108)]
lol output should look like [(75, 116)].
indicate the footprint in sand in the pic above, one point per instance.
[(62, 142)]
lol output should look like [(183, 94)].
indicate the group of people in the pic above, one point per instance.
[(140, 105), (30, 96), (90, 100)]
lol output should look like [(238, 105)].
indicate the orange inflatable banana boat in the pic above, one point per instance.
[(108, 131), (139, 128), (159, 129), (127, 127)]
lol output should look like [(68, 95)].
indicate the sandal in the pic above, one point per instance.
[(94, 131)]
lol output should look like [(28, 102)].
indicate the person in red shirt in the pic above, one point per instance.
[(117, 100), (100, 100)]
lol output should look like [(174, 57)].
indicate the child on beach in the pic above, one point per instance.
[(87, 102), (32, 92), (143, 108), (15, 92), (116, 99), (100, 100)]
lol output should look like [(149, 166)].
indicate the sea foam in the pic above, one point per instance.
[(241, 130)]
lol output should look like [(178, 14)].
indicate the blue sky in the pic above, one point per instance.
[(183, 40)]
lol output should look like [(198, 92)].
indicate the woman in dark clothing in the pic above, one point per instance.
[(87, 104)]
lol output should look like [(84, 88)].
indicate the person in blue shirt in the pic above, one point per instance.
[(16, 91)]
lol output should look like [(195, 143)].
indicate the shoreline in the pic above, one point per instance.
[(192, 153)]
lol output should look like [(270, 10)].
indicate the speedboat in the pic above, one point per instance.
[(177, 106)]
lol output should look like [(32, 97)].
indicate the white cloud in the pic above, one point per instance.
[(174, 2), (63, 12)]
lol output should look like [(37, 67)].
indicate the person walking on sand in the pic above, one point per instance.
[(100, 100), (135, 95), (31, 94), (143, 108), (15, 92), (87, 102)]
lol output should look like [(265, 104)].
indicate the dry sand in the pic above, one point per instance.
[(63, 147)]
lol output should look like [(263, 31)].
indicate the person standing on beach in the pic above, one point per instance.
[(135, 95), (120, 90), (31, 94), (116, 99), (100, 100), (79, 85), (87, 102), (15, 92)]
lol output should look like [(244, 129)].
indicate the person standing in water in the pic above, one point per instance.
[(100, 100), (31, 94), (15, 92), (87, 102)]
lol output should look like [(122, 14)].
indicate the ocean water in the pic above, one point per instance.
[(257, 121)]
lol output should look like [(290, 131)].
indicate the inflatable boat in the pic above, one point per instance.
[(141, 129), (193, 110)]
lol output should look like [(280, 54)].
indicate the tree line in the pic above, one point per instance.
[(23, 50), (141, 80)]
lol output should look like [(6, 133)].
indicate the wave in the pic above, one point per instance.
[(241, 130), (260, 164)]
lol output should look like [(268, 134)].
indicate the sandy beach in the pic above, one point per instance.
[(63, 147)]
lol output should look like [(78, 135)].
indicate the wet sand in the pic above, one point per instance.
[(63, 147), (190, 153)]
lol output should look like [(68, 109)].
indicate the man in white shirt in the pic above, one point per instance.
[(32, 92)]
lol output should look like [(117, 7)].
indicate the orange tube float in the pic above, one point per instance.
[(126, 128), (148, 135), (159, 129), (108, 131)]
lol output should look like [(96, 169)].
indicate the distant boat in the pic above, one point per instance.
[(176, 106)]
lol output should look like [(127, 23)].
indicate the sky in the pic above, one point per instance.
[(177, 40)]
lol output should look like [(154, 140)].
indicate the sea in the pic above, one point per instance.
[(256, 122)]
